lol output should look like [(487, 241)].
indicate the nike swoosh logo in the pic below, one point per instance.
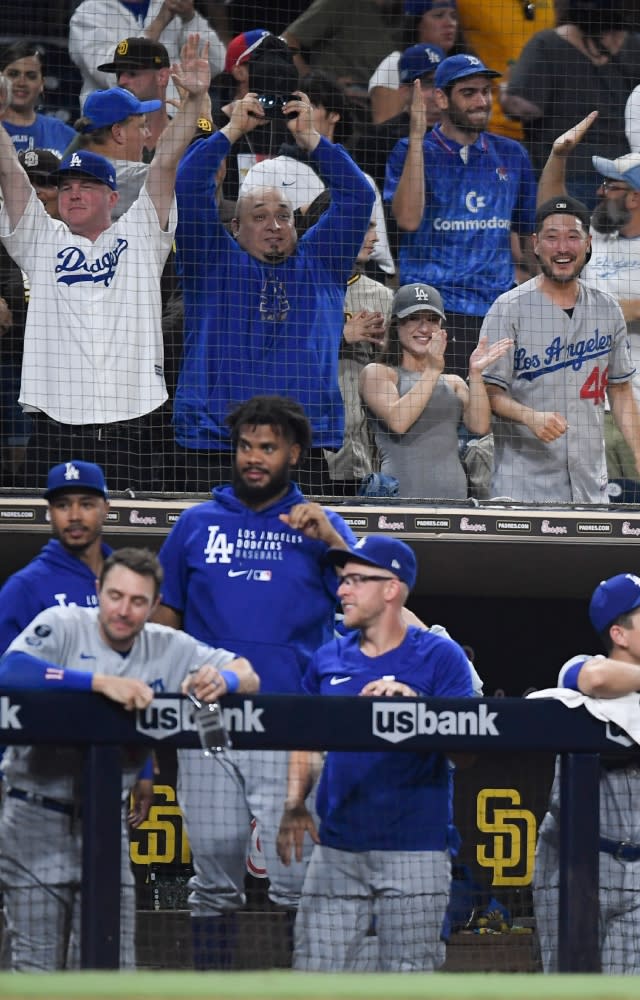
[(287, 184), (237, 572), (86, 656), (338, 680)]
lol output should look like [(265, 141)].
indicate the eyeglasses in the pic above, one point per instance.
[(356, 579), (607, 185)]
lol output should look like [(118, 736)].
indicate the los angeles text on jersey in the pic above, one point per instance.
[(396, 722), (248, 543), (168, 716)]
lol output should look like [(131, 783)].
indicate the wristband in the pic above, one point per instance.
[(231, 680)]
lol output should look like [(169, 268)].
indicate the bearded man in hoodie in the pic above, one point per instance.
[(249, 565)]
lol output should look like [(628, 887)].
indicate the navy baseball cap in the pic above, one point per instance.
[(87, 164), (414, 298), (137, 53), (614, 597), (416, 8), (418, 60), (456, 68), (625, 168), (75, 476), (106, 107), (382, 552)]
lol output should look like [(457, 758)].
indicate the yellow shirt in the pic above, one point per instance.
[(497, 30)]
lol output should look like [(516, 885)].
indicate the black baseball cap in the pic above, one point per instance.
[(137, 53), (564, 205)]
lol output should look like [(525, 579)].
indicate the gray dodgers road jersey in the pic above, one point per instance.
[(161, 657), (558, 363)]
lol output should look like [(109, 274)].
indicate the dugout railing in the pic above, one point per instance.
[(338, 723)]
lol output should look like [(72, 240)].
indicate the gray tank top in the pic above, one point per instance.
[(425, 460)]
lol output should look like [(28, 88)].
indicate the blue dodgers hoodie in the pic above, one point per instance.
[(253, 327), (53, 578), (244, 580)]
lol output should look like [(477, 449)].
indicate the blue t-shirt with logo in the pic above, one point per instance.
[(388, 800), (474, 197)]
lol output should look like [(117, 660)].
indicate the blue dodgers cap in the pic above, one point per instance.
[(614, 597), (87, 164), (625, 168), (456, 68), (72, 477), (382, 552), (106, 107), (418, 60)]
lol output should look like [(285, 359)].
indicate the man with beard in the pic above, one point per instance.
[(615, 263), (65, 571), (249, 567), (570, 351), (464, 200)]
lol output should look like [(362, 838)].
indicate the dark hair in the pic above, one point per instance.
[(624, 621), (276, 411), (24, 48), (323, 91), (594, 17), (305, 220), (410, 37), (141, 561)]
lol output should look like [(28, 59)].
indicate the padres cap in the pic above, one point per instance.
[(89, 164), (625, 168), (457, 67), (40, 164), (563, 206), (614, 597), (73, 476), (418, 61), (413, 298), (382, 552), (106, 107), (137, 53)]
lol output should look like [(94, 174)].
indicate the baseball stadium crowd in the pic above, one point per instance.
[(384, 248)]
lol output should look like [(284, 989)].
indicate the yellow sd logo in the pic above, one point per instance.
[(514, 836), (123, 47), (162, 837)]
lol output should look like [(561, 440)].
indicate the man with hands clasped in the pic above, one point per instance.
[(382, 850)]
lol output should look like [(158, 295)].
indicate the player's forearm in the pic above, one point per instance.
[(606, 678), (504, 405), (409, 198), (477, 416), (14, 183), (177, 135), (627, 416), (22, 672), (248, 680), (302, 768), (552, 182)]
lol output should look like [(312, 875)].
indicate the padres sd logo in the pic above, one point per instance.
[(123, 47)]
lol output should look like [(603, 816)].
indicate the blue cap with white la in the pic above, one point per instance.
[(86, 164), (76, 477), (383, 552), (456, 68), (418, 61), (614, 597)]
